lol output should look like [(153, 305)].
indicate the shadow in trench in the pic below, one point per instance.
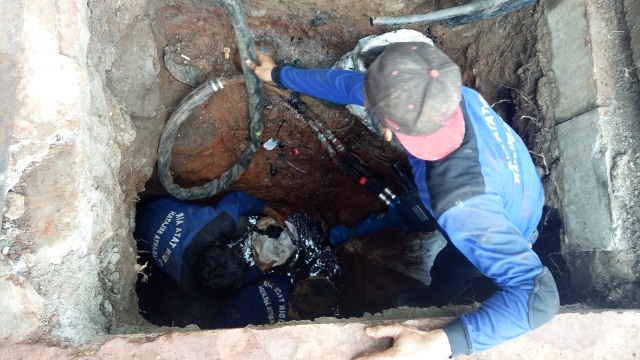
[(548, 247)]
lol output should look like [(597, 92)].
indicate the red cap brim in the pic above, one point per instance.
[(438, 145)]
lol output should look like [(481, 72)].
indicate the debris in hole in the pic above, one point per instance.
[(313, 254), (317, 21), (186, 74), (270, 144), (295, 167), (271, 242), (273, 170)]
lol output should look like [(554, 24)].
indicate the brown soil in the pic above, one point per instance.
[(299, 175)]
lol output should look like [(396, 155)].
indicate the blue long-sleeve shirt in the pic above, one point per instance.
[(264, 301), (486, 196), (168, 226)]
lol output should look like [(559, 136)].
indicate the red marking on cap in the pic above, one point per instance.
[(411, 106), (362, 181), (391, 123), (434, 73), (394, 72)]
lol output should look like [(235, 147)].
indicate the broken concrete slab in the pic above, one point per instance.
[(584, 183), (22, 306), (632, 11), (133, 78), (596, 335), (572, 58), (607, 277), (10, 33), (600, 155), (59, 243)]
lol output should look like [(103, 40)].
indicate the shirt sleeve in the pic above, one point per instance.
[(335, 85), (238, 203), (527, 296)]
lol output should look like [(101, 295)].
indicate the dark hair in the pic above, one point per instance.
[(376, 120), (369, 56), (218, 268), (313, 298), (272, 231), (375, 124)]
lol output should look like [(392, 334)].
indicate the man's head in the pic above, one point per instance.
[(218, 268), (414, 90), (312, 298)]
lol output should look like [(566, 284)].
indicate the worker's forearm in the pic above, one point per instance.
[(335, 85)]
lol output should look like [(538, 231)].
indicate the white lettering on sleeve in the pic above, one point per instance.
[(510, 154)]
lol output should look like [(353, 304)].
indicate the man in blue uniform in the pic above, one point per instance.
[(474, 175), (269, 300), (182, 239)]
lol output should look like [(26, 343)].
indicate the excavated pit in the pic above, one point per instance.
[(98, 152), (298, 176)]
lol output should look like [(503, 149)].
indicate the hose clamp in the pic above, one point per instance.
[(217, 84)]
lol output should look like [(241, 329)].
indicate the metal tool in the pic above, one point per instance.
[(409, 206)]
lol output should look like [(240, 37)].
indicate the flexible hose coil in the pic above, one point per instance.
[(255, 92)]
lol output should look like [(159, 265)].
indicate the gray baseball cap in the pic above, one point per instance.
[(414, 89)]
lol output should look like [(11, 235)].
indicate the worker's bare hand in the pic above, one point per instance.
[(410, 343), (263, 71), (263, 266)]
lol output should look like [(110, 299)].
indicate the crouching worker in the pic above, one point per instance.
[(474, 175), (182, 238), (269, 300)]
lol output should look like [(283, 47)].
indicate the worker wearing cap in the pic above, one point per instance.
[(474, 175)]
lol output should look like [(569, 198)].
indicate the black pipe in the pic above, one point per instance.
[(340, 155), (255, 92), (443, 14)]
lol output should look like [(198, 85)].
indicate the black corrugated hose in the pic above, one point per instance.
[(255, 91), (458, 15)]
